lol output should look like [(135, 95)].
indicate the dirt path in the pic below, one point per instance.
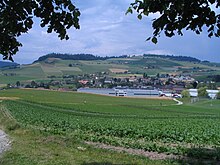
[(150, 155), (178, 102), (4, 142)]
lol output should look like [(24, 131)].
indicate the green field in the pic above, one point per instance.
[(192, 130)]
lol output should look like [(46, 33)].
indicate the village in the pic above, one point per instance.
[(166, 85)]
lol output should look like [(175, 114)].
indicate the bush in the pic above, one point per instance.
[(218, 95), (202, 92), (185, 94), (13, 126)]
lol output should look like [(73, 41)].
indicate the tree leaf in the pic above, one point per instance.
[(139, 16), (154, 40), (129, 11), (148, 38)]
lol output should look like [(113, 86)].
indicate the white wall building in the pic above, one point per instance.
[(193, 92), (211, 93)]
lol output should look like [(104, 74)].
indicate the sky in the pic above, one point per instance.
[(107, 31)]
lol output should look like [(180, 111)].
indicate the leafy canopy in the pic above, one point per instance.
[(16, 18), (185, 94), (202, 92), (178, 15)]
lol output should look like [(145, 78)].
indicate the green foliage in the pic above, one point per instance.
[(218, 95), (177, 16), (175, 58), (201, 85), (212, 86), (16, 18), (30, 146), (18, 84), (135, 123), (119, 129), (145, 75), (12, 126), (202, 92), (185, 94)]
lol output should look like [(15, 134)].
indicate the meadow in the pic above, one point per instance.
[(161, 126)]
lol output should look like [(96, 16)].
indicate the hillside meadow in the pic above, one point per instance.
[(137, 65), (48, 122)]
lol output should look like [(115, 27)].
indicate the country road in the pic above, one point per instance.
[(178, 102), (4, 142)]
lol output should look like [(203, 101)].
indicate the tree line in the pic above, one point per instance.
[(172, 57)]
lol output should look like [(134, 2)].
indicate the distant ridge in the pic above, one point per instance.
[(91, 57), (75, 57), (4, 64), (172, 57)]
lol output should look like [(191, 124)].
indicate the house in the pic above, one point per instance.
[(193, 92), (211, 93), (84, 82), (108, 81)]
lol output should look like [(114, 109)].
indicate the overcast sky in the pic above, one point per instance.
[(107, 31)]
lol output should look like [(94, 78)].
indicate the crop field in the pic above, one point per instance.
[(152, 125)]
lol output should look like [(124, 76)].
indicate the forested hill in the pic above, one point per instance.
[(76, 57), (7, 64), (172, 57), (89, 57)]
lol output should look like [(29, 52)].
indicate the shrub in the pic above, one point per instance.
[(185, 94), (218, 95), (202, 92)]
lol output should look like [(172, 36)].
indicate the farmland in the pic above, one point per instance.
[(152, 125), (43, 70)]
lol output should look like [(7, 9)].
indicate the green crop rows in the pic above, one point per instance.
[(169, 128)]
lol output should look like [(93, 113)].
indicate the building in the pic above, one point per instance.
[(193, 92), (211, 93)]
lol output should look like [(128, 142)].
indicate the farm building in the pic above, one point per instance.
[(211, 93), (121, 91), (193, 92)]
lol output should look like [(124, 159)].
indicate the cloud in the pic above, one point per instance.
[(106, 30)]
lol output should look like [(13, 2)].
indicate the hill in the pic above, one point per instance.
[(93, 57), (56, 66), (7, 64), (176, 58), (75, 57)]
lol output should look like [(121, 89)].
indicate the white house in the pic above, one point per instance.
[(193, 92), (211, 93)]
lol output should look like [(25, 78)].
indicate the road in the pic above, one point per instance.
[(4, 142)]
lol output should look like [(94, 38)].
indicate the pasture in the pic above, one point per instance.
[(191, 130)]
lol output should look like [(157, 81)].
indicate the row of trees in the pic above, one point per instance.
[(77, 57), (172, 57), (209, 85)]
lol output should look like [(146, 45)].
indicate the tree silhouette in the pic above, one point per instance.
[(178, 15), (16, 18)]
